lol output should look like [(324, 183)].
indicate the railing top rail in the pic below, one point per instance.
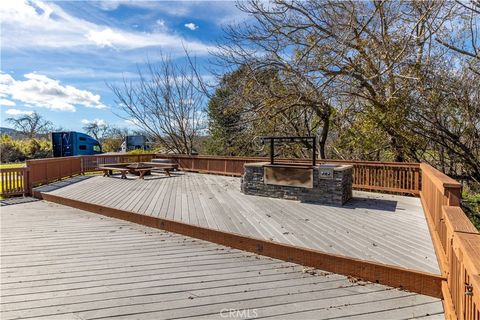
[(52, 159), (88, 156), (440, 179), (359, 162), (456, 220), (378, 163), (469, 244), (118, 155), (13, 169)]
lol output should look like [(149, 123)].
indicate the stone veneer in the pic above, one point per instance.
[(334, 191)]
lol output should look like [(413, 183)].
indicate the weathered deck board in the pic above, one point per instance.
[(62, 263), (378, 227)]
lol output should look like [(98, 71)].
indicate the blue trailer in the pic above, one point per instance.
[(66, 144)]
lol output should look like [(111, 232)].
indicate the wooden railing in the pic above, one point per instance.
[(20, 181), (14, 181), (367, 175), (42, 171), (456, 242)]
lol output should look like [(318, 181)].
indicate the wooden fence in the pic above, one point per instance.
[(14, 182), (42, 171), (456, 242), (367, 175)]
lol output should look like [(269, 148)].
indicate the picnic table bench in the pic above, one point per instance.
[(161, 167), (141, 169), (108, 171)]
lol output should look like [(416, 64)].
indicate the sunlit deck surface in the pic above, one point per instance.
[(377, 227), (62, 263)]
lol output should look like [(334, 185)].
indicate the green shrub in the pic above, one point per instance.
[(9, 150), (12, 150), (471, 206)]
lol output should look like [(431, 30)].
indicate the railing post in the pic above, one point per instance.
[(25, 182), (454, 195), (30, 183)]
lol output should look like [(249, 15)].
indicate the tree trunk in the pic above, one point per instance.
[(324, 133), (397, 149)]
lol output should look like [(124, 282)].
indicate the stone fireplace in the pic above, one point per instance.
[(325, 183)]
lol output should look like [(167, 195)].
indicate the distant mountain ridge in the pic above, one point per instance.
[(15, 134), (10, 132)]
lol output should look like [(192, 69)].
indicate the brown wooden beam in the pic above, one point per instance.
[(415, 281), (437, 244)]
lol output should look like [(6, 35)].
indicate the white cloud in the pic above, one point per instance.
[(192, 26), (105, 38), (7, 103), (46, 25), (99, 122), (108, 5), (16, 112), (87, 73), (221, 12), (41, 91)]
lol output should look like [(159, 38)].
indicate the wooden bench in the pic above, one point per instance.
[(108, 171), (163, 170), (144, 171), (162, 167)]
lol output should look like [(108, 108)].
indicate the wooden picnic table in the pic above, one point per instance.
[(141, 169)]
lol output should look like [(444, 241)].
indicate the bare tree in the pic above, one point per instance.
[(463, 35), (165, 103), (31, 124), (113, 139), (364, 55), (447, 120), (264, 46), (98, 129)]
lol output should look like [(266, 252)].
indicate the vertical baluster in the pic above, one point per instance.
[(12, 182), (14, 178)]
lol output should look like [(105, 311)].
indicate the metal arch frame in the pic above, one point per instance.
[(292, 139)]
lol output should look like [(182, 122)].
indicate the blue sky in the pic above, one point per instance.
[(57, 56)]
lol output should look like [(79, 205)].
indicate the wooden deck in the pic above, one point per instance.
[(63, 263), (377, 227)]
